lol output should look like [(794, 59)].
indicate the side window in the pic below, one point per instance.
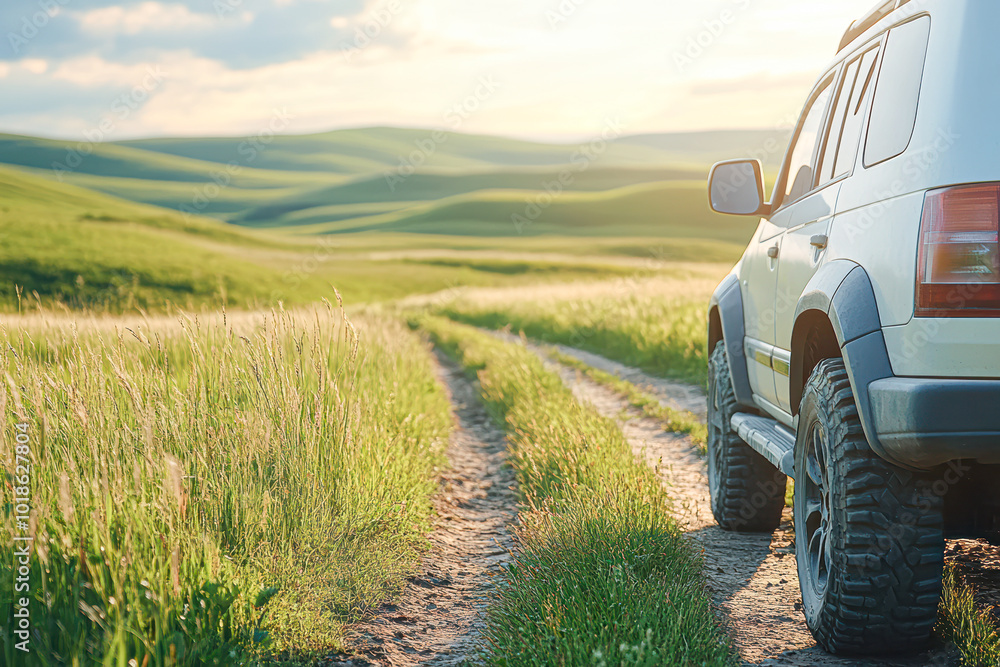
[(829, 153), (894, 108), (800, 173), (841, 148), (847, 154)]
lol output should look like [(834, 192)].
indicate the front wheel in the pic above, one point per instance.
[(747, 492), (868, 536)]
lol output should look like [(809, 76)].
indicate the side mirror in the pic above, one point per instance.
[(736, 187)]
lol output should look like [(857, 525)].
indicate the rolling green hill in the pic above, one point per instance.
[(200, 187), (99, 225), (672, 209), (382, 194), (64, 158), (376, 149), (334, 177), (85, 249)]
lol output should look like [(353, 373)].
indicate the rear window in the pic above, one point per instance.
[(894, 108)]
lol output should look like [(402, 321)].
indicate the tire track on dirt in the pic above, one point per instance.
[(438, 619), (752, 577)]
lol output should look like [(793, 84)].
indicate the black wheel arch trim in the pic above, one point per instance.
[(843, 292), (727, 301)]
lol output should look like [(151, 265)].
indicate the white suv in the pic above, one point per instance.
[(856, 345)]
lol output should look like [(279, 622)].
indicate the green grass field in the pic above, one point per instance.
[(86, 250), (227, 470), (215, 487), (336, 219), (656, 323)]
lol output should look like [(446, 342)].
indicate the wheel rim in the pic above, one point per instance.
[(817, 510), (716, 432)]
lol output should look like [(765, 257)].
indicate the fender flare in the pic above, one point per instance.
[(843, 291), (728, 302)]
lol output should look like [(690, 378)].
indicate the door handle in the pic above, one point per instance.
[(819, 241), (772, 252)]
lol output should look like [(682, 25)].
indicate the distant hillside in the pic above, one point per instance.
[(376, 149), (665, 210), (86, 249), (375, 194), (64, 158), (710, 147), (412, 180)]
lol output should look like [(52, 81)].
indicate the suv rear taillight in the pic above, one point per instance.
[(958, 274)]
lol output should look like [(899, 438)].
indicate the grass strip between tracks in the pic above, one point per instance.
[(603, 575)]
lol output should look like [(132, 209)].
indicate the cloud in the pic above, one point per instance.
[(146, 17), (239, 33), (343, 63), (35, 65)]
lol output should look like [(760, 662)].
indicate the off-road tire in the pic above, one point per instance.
[(875, 530), (748, 493)]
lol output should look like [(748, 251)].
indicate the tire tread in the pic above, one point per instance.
[(751, 493), (887, 537)]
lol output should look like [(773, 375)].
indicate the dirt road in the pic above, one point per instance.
[(752, 577), (438, 619)]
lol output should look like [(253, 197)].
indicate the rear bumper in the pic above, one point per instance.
[(922, 423)]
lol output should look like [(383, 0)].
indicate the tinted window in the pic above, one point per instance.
[(829, 156), (894, 108), (851, 137), (800, 174)]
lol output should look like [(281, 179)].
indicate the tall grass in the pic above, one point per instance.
[(966, 624), (653, 323), (603, 575), (215, 489)]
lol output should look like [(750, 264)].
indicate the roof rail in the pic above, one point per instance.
[(858, 28)]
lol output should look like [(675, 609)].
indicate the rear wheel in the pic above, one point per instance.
[(748, 493), (868, 536)]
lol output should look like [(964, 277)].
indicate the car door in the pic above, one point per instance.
[(807, 221), (794, 205), (757, 283)]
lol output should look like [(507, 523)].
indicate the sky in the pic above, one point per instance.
[(537, 69)]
